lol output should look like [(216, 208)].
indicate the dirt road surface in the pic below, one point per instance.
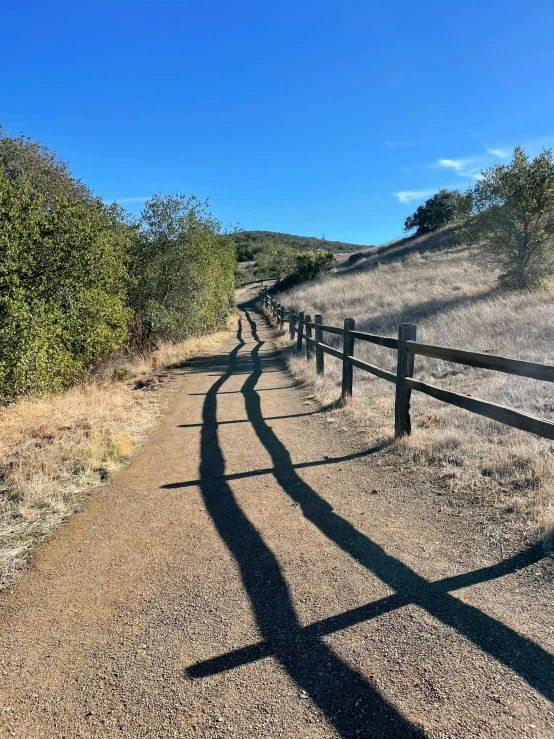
[(255, 573)]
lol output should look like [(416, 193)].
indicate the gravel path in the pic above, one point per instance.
[(255, 572)]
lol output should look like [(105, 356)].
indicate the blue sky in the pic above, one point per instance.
[(305, 117)]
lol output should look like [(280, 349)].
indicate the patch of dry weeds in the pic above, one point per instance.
[(54, 449)]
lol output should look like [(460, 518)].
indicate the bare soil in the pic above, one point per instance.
[(257, 572)]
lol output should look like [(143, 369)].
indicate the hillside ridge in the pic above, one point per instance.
[(406, 246), (302, 243)]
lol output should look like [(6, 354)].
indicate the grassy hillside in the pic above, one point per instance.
[(302, 243), (454, 302), (393, 251)]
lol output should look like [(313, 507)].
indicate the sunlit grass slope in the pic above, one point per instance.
[(454, 302)]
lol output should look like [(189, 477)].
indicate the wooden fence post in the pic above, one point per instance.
[(405, 368), (347, 368), (291, 323), (319, 354), (299, 331), (309, 345)]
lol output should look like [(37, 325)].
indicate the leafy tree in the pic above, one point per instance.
[(63, 279), (247, 251), (24, 159), (76, 275), (512, 216), (182, 270), (437, 211), (275, 260), (310, 263)]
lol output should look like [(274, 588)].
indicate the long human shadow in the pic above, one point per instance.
[(245, 420), (350, 702), (373, 609), (262, 390), (270, 470), (520, 654)]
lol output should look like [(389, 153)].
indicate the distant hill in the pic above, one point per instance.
[(246, 239)]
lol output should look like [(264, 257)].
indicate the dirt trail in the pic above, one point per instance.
[(254, 573)]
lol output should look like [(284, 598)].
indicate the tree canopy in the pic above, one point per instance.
[(80, 280), (437, 211), (290, 266), (63, 281), (511, 215), (182, 268), (24, 159), (275, 260)]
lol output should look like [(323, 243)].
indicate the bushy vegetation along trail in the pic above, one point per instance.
[(255, 573)]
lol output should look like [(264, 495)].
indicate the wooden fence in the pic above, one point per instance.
[(303, 329)]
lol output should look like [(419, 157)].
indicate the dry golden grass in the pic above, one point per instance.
[(453, 302), (55, 448)]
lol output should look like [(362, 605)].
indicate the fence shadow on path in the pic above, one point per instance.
[(350, 702), (333, 685), (520, 654)]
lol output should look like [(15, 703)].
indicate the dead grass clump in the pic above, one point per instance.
[(53, 449), (454, 303)]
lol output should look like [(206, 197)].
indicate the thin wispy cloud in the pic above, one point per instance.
[(140, 199), (498, 152), (470, 167), (531, 146), (407, 196), (456, 164)]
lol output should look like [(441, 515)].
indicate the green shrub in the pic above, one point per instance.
[(182, 270), (62, 287), (78, 279), (310, 263), (120, 374)]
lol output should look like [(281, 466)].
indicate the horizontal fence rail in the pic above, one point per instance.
[(375, 339), (487, 361), (303, 330), (331, 350), (377, 371), (501, 413), (332, 330)]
